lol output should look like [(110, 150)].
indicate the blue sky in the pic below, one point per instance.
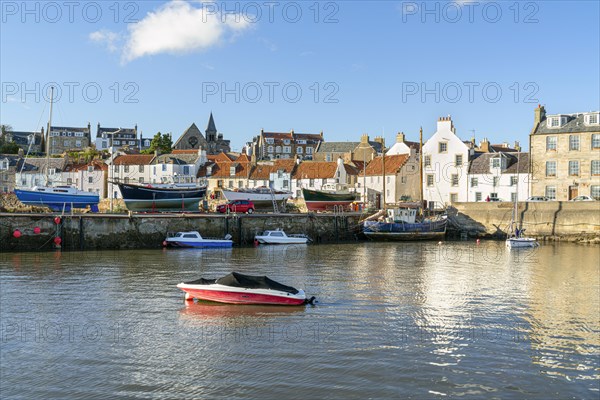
[(361, 66)]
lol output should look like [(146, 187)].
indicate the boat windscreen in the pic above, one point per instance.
[(236, 279), (202, 281)]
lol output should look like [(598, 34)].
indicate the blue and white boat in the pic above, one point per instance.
[(58, 198), (193, 239), (401, 224)]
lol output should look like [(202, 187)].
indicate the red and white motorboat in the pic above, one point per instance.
[(237, 288)]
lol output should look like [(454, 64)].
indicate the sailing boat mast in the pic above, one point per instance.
[(48, 137), (516, 204), (421, 168), (383, 169)]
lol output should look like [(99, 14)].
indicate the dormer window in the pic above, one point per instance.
[(286, 141), (592, 119), (495, 163), (232, 171), (556, 121), (209, 170), (269, 140)]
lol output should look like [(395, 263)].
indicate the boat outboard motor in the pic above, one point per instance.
[(310, 301), (228, 237)]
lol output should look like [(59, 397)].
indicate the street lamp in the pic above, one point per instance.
[(111, 166)]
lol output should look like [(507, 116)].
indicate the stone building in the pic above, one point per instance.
[(284, 145), (120, 138), (213, 142), (365, 150), (66, 138), (565, 155)]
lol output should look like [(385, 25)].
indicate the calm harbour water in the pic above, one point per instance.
[(417, 320)]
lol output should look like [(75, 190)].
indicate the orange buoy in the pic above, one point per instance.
[(477, 241), (164, 243), (17, 233), (57, 220), (57, 240), (37, 230)]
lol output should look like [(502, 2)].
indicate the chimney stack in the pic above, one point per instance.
[(539, 115), (400, 137)]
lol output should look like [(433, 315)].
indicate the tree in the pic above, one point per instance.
[(7, 147), (160, 142)]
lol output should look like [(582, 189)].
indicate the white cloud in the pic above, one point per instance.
[(106, 37), (177, 27)]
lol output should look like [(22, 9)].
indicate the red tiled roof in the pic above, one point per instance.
[(316, 170), (97, 164), (134, 159), (392, 164), (222, 157), (223, 170), (242, 158)]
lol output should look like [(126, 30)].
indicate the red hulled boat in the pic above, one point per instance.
[(237, 288)]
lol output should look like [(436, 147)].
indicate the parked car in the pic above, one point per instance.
[(582, 198), (538, 198), (240, 206)]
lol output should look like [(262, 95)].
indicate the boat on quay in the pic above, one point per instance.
[(236, 288), (56, 197), (260, 196), (161, 197), (278, 236), (331, 198), (193, 239)]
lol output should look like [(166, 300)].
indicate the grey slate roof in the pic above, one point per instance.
[(177, 159), (481, 164), (39, 164), (337, 147), (575, 124), (211, 124)]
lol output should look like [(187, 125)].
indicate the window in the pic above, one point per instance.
[(574, 168), (458, 158), (4, 164), (164, 167), (132, 142), (141, 168), (591, 119), (232, 171), (495, 181), (595, 167), (269, 140), (553, 122), (513, 197), (69, 181), (454, 179), (478, 196), (126, 180), (495, 163), (186, 169), (388, 179), (126, 168), (231, 184), (427, 161), (550, 168), (240, 184), (494, 195), (595, 192), (430, 180), (141, 180), (4, 177), (550, 143), (513, 180), (270, 149), (78, 143), (323, 181), (287, 149), (403, 179), (573, 142), (474, 182), (277, 149), (551, 192), (286, 183), (442, 147), (311, 183), (309, 150), (115, 168), (91, 179), (299, 150), (328, 157), (596, 141), (286, 141), (453, 197)]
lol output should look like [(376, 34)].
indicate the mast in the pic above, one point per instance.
[(48, 137), (383, 169), (516, 205), (421, 168)]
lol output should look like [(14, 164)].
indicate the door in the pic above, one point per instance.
[(573, 192)]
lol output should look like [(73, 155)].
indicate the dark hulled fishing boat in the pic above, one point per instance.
[(317, 200), (171, 197)]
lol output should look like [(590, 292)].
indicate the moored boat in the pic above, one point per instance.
[(194, 239), (172, 197), (324, 200), (280, 237), (401, 224), (521, 242), (236, 288)]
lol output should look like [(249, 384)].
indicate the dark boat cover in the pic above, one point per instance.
[(236, 279)]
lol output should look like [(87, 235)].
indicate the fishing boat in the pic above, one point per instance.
[(280, 237), (515, 237), (402, 224), (236, 288), (194, 239), (261, 196), (161, 197), (328, 199), (57, 198)]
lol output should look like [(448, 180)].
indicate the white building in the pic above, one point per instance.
[(503, 175), (315, 175), (402, 146), (129, 168), (401, 179), (33, 172), (445, 166), (90, 177), (181, 166)]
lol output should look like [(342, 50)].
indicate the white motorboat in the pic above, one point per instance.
[(194, 239), (261, 195), (521, 242), (280, 237)]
